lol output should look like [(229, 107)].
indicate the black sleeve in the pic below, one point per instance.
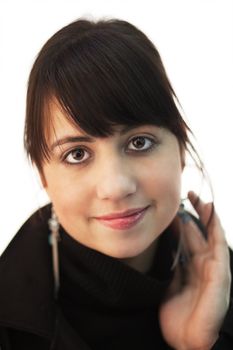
[(4, 340), (11, 339), (225, 340)]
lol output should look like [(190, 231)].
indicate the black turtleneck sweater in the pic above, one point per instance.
[(109, 304), (103, 303)]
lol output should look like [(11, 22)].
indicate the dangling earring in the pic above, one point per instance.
[(183, 214), (181, 253), (53, 240)]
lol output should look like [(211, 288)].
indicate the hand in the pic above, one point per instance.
[(199, 295)]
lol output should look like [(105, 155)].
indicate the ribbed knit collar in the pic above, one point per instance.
[(99, 295), (109, 282), (109, 304)]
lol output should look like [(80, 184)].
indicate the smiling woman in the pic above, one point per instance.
[(109, 176), (125, 258)]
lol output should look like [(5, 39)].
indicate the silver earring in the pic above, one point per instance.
[(181, 254), (53, 240), (183, 214)]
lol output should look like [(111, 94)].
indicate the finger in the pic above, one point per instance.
[(204, 210), (194, 240), (209, 218), (218, 241)]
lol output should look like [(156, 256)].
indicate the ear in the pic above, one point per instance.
[(182, 156)]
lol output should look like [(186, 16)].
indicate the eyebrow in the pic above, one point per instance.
[(85, 138)]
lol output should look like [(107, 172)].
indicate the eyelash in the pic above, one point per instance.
[(65, 157)]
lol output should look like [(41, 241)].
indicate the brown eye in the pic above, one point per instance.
[(142, 143), (76, 156), (139, 142)]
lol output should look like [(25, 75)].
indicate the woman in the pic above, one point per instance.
[(127, 266)]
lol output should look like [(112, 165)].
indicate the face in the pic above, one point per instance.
[(135, 168)]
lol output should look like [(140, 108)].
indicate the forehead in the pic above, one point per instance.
[(57, 120), (59, 123)]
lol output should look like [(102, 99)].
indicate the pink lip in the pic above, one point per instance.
[(121, 214), (124, 222)]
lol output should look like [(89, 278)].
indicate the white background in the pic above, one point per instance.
[(195, 40)]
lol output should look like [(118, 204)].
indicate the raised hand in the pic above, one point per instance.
[(199, 295)]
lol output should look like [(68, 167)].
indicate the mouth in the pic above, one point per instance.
[(124, 222), (123, 214)]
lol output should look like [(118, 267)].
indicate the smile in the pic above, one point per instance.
[(126, 222)]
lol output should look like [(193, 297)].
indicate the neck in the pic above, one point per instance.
[(143, 261)]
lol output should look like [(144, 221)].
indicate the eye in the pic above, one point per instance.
[(142, 143), (76, 156), (80, 155)]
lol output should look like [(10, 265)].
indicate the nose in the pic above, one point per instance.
[(116, 180)]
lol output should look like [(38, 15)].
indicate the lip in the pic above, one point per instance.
[(124, 222), (121, 214)]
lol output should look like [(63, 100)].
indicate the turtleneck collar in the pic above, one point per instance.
[(109, 304), (108, 281), (100, 296)]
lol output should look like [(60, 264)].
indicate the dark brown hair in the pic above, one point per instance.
[(103, 73)]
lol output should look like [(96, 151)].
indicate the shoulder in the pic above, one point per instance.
[(26, 293), (13, 339), (34, 230), (29, 250)]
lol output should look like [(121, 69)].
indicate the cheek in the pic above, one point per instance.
[(166, 170), (166, 186), (164, 183), (69, 199), (65, 192)]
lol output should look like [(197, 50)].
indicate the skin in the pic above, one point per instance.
[(193, 311), (116, 178)]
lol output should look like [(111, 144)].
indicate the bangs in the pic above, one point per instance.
[(103, 75), (103, 81)]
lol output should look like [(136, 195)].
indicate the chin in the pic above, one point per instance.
[(125, 252)]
